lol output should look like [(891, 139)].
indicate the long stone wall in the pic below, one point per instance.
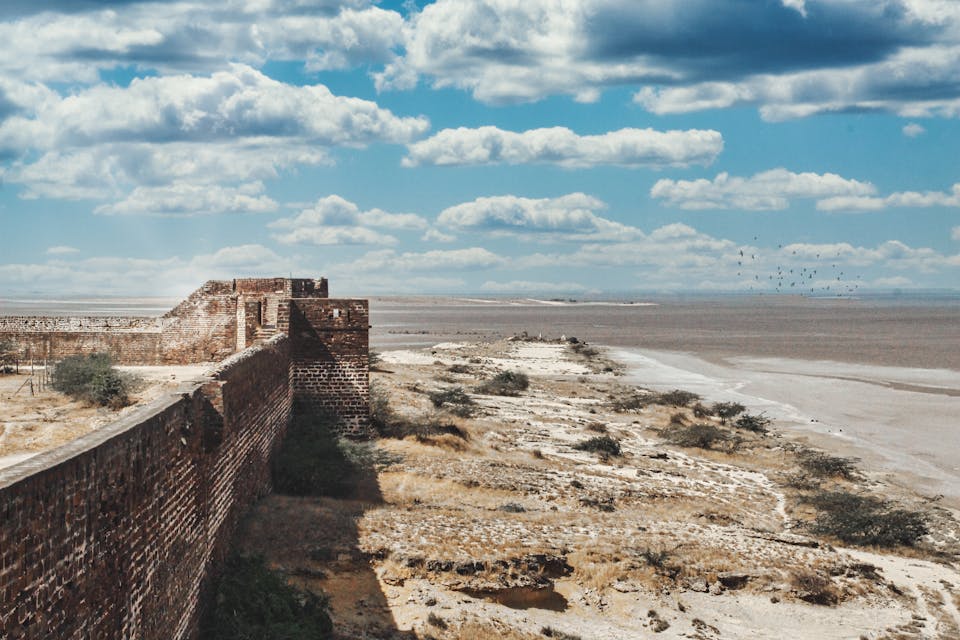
[(116, 534)]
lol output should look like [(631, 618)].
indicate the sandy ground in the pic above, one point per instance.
[(511, 532), (45, 419), (899, 420)]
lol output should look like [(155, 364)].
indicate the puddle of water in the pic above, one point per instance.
[(523, 598)]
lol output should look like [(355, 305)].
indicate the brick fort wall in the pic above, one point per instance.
[(117, 534)]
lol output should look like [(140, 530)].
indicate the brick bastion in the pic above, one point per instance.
[(119, 533)]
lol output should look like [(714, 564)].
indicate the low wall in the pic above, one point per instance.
[(116, 534)]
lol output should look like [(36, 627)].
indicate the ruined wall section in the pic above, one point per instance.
[(202, 328), (116, 534), (130, 340), (329, 350)]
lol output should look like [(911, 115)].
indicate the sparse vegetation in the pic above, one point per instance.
[(757, 423), (8, 354), (814, 587), (727, 410), (460, 368), (865, 520), (583, 350), (453, 399), (254, 603), (505, 383), (600, 444), (436, 621), (626, 400), (700, 436), (550, 632), (823, 465), (314, 462), (701, 410), (93, 379), (676, 398)]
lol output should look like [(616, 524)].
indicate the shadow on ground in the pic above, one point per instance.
[(313, 539)]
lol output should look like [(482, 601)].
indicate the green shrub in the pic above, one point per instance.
[(505, 383), (254, 603), (460, 368), (727, 410), (866, 520), (451, 396), (676, 398), (93, 379), (823, 465), (630, 400), (700, 436), (381, 413), (701, 410), (600, 444), (755, 423)]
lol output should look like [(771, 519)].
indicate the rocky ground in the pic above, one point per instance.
[(496, 526)]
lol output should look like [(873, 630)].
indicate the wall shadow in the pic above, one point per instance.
[(314, 539)]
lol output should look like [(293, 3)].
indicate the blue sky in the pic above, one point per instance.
[(481, 146)]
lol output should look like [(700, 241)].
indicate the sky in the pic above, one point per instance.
[(515, 147)]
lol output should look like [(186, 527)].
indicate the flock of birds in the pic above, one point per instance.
[(824, 277)]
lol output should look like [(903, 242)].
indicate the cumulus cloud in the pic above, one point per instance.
[(912, 83), (74, 41), (912, 130), (239, 103), (913, 199), (336, 220), (171, 134), (792, 58), (568, 217), (891, 254), (180, 199), (559, 145), (769, 190)]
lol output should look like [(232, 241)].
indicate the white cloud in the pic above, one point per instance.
[(906, 83), (769, 190), (389, 261), (60, 250), (335, 220), (895, 281), (180, 199), (195, 36), (955, 233), (169, 135), (890, 254), (433, 235), (912, 130), (238, 103), (321, 236), (567, 217), (164, 276), (526, 286), (914, 199), (561, 146)]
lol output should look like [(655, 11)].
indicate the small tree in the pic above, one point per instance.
[(727, 410)]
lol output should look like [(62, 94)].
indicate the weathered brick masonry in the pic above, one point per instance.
[(115, 535), (330, 358)]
